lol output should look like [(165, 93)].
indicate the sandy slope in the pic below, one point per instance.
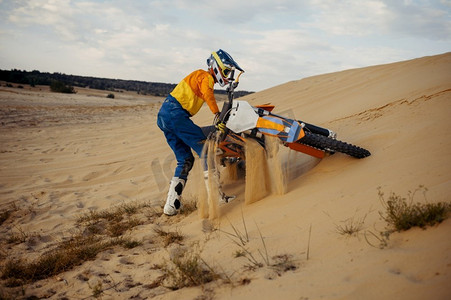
[(62, 155)]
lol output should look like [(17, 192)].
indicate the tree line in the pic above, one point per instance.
[(35, 77)]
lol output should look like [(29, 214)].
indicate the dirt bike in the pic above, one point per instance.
[(244, 121)]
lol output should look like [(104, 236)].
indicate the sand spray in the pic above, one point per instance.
[(257, 181), (201, 191), (213, 181), (264, 174), (277, 173)]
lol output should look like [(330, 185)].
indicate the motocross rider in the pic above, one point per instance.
[(181, 133)]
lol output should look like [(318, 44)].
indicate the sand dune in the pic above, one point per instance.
[(65, 155)]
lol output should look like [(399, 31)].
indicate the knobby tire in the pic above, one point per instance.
[(329, 144)]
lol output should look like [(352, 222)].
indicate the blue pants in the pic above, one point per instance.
[(181, 134)]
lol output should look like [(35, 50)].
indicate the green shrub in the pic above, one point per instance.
[(402, 213)]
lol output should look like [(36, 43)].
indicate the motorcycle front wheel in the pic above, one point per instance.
[(332, 145)]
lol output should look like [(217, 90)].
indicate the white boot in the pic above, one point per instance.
[(223, 198), (173, 202)]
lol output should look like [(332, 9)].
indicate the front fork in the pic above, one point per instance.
[(319, 130)]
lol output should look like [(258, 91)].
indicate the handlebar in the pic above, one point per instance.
[(224, 114), (233, 84)]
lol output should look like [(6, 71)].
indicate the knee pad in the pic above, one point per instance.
[(187, 166)]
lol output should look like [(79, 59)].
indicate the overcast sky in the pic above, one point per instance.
[(164, 40)]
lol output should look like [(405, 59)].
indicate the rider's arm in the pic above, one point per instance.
[(208, 93)]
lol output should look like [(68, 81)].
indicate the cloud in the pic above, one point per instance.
[(278, 54), (350, 17), (162, 40), (424, 19), (51, 14), (238, 11)]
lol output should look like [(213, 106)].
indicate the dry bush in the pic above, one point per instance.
[(99, 231), (169, 237), (189, 206), (279, 263), (67, 255), (402, 213), (115, 214), (351, 226), (4, 215), (188, 269)]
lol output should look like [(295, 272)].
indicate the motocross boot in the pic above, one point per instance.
[(173, 202), (222, 197)]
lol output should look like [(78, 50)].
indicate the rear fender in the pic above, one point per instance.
[(306, 149), (267, 107)]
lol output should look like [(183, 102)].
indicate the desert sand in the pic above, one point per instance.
[(62, 156)]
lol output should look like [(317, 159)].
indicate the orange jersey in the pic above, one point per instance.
[(194, 90)]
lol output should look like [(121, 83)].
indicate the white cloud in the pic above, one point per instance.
[(350, 17), (162, 40), (421, 19), (279, 54), (238, 11)]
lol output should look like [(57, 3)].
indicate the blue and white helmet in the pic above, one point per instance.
[(221, 64)]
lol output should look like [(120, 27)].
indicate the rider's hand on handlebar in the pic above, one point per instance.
[(221, 126)]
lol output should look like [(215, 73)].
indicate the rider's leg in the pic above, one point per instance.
[(181, 134), (185, 161), (182, 153), (173, 200)]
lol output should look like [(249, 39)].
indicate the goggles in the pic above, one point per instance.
[(225, 69)]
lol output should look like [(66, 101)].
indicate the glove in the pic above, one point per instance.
[(221, 126)]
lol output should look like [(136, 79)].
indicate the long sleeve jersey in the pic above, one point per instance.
[(194, 90)]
